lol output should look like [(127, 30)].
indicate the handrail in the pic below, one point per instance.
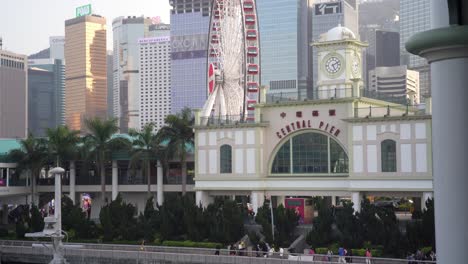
[(102, 248)]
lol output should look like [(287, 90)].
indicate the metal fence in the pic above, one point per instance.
[(105, 253), (227, 120)]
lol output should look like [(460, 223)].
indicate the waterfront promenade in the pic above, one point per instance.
[(76, 253)]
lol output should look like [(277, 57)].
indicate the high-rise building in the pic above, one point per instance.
[(110, 84), (189, 36), (56, 68), (126, 32), (383, 50), (285, 35), (379, 20), (13, 95), (415, 16), (41, 103), (155, 79), (327, 15), (86, 70), (397, 84)]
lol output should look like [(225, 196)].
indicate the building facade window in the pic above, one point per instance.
[(310, 153), (226, 159), (388, 155)]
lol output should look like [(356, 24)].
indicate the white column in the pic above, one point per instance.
[(356, 199), (203, 198), (115, 179), (58, 201), (160, 184), (72, 181), (425, 196), (333, 200), (8, 177), (257, 199), (446, 49)]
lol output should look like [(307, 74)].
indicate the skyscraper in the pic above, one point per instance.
[(327, 15), (41, 103), (126, 32), (415, 16), (110, 84), (189, 36), (285, 35), (155, 78), (86, 70), (379, 20), (13, 95)]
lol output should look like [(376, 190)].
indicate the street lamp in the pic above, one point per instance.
[(53, 224)]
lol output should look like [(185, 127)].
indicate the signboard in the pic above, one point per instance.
[(189, 47), (328, 8), (154, 40), (302, 207), (83, 10)]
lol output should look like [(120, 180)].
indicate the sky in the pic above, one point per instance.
[(26, 25)]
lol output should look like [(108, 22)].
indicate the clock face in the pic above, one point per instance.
[(333, 65)]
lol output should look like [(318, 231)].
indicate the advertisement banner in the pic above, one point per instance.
[(328, 8), (297, 204)]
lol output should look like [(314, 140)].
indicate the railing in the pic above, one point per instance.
[(227, 120), (317, 94), (387, 111), (106, 253)]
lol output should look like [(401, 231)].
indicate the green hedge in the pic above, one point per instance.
[(321, 251), (361, 252), (187, 243), (426, 250)]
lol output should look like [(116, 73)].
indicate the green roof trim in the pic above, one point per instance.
[(8, 144), (438, 38)]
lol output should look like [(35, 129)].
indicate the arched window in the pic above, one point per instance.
[(310, 153), (226, 159), (388, 155)]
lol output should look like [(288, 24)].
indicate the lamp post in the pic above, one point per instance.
[(53, 224)]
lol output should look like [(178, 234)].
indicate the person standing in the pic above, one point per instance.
[(329, 255), (341, 255), (368, 256), (349, 256)]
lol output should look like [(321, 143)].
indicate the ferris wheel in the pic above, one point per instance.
[(233, 67)]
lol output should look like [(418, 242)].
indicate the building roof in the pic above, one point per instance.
[(339, 33)]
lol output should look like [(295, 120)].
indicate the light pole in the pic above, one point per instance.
[(53, 224)]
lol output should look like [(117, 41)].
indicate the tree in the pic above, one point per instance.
[(62, 143), (178, 134), (146, 147), (321, 234), (32, 156), (286, 221), (118, 220), (102, 143)]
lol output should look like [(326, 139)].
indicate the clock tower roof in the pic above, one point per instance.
[(338, 33)]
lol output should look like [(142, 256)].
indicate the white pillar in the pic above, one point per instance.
[(8, 177), (160, 184), (72, 181), (58, 199), (333, 200), (257, 199), (203, 198), (446, 49), (356, 199), (425, 196), (115, 179)]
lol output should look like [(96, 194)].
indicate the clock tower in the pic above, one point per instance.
[(339, 64)]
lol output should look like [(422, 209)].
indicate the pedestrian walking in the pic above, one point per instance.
[(329, 255), (349, 256), (368, 256), (341, 255), (312, 253)]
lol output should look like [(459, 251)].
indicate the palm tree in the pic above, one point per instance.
[(62, 143), (178, 133), (32, 157), (146, 147), (102, 144)]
